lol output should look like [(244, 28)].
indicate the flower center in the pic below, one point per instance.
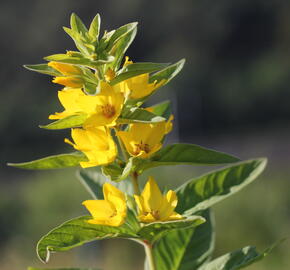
[(108, 110), (155, 214), (141, 147)]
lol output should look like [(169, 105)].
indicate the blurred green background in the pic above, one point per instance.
[(233, 96)]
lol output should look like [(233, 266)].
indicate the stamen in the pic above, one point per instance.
[(141, 147), (108, 110)]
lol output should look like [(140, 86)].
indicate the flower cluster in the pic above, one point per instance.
[(101, 113), (102, 102)]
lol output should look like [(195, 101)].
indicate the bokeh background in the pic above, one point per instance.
[(233, 96)]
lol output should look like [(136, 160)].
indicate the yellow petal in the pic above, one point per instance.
[(69, 81), (152, 196), (65, 69), (168, 205), (99, 209), (115, 197)]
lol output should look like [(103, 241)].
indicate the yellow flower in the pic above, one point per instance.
[(139, 86), (142, 140), (96, 143), (111, 211), (71, 74), (153, 206), (102, 109)]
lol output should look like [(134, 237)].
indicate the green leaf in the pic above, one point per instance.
[(185, 249), (136, 69), (138, 115), (162, 109), (44, 69), (181, 153), (117, 173), (77, 232), (77, 24), (93, 181), (168, 73), (205, 191), (67, 122), (78, 60), (52, 162), (94, 29), (33, 268), (120, 48), (237, 259), (119, 33), (154, 231)]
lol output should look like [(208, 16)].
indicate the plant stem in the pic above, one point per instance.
[(149, 256), (135, 183)]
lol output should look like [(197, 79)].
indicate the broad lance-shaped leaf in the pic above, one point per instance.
[(33, 268), (205, 191), (44, 69), (186, 249), (67, 122), (162, 109), (168, 73), (77, 232), (237, 259), (94, 29), (119, 33), (156, 230), (181, 153), (93, 181), (133, 115), (120, 47), (52, 162), (136, 69)]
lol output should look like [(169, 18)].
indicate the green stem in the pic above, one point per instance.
[(135, 183), (149, 256)]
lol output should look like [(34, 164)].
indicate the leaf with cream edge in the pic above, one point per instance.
[(33, 268), (117, 173), (167, 73), (136, 69), (77, 232), (201, 193), (152, 232), (119, 33), (182, 153), (186, 249), (52, 162), (119, 49), (138, 115), (43, 69), (67, 122), (237, 259)]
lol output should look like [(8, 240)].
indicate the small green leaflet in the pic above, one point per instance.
[(67, 122), (52, 162), (44, 69), (136, 69)]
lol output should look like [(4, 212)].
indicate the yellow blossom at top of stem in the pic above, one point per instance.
[(96, 143), (71, 74), (154, 206), (111, 211), (143, 140), (102, 109), (139, 86)]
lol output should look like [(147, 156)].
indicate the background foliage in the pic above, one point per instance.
[(232, 96)]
